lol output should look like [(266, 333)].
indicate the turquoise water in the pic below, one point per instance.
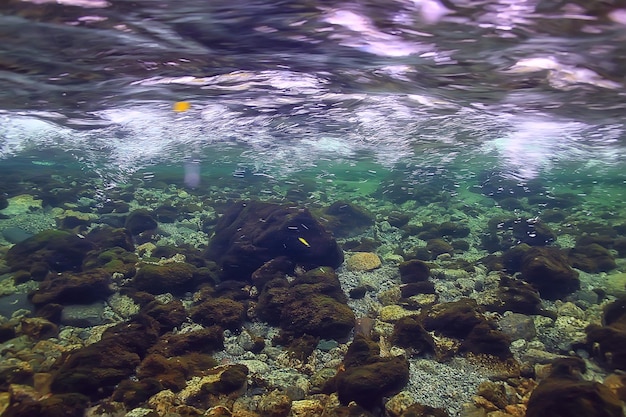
[(409, 203)]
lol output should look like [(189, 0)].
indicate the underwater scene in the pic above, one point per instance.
[(265, 208)]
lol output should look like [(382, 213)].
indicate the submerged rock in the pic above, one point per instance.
[(96, 369), (547, 270), (607, 343), (414, 271), (228, 314), (591, 258), (252, 233), (59, 250), (516, 296), (177, 277), (365, 377), (566, 394), (312, 304), (139, 221), (463, 320), (67, 288), (346, 219)]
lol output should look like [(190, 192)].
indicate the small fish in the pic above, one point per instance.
[(304, 242), (181, 106)]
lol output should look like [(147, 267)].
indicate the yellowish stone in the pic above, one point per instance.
[(306, 408), (363, 261), (5, 400), (616, 284), (79, 215), (393, 313)]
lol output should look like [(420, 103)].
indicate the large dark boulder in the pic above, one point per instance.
[(548, 270), (253, 232), (565, 394), (58, 250)]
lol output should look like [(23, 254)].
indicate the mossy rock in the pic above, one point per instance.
[(231, 379), (224, 312), (60, 250), (275, 295), (591, 258), (175, 277), (96, 369), (366, 377), (408, 332), (453, 230), (452, 319), (58, 405), (317, 315), (205, 340), (105, 237), (346, 219), (166, 213), (485, 339), (607, 343), (322, 280), (173, 372), (113, 260), (415, 288), (134, 393), (139, 221), (275, 268), (420, 410), (516, 296), (565, 394), (302, 347), (547, 270), (67, 288), (169, 315), (251, 233), (437, 247), (414, 271)]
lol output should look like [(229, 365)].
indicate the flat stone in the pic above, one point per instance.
[(87, 315)]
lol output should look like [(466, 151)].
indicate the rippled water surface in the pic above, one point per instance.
[(278, 86)]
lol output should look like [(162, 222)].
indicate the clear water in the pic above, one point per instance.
[(378, 103)]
